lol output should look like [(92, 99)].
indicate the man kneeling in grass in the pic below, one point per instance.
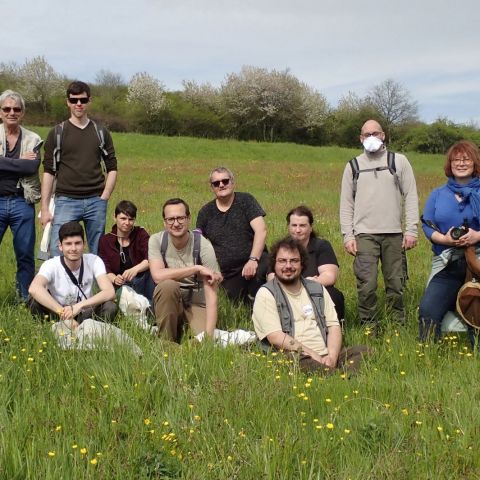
[(294, 314), (63, 285)]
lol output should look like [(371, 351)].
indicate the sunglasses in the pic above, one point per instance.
[(9, 109), (82, 100), (223, 181)]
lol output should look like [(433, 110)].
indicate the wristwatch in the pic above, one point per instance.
[(255, 259)]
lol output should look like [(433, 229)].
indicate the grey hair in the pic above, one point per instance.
[(14, 96), (223, 170)]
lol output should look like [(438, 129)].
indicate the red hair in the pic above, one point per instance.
[(469, 150)]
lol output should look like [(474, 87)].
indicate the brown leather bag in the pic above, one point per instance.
[(468, 298)]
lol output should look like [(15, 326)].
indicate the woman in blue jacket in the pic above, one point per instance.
[(451, 223)]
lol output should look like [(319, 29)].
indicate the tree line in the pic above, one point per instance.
[(253, 104)]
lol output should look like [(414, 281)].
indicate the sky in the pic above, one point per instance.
[(432, 47)]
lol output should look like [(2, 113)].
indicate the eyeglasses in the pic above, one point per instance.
[(223, 181), (285, 261), (82, 100), (9, 109), (459, 161), (180, 220), (371, 134)]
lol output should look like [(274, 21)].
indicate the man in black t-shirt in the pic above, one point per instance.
[(234, 224)]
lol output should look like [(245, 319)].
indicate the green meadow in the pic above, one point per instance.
[(198, 411)]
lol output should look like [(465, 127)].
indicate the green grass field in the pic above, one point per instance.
[(201, 411)]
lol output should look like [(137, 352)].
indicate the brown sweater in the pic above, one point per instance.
[(79, 172)]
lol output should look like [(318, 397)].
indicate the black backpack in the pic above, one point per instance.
[(390, 167)]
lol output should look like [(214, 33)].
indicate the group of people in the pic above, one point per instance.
[(291, 290)]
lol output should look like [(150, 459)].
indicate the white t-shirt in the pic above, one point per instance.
[(62, 288)]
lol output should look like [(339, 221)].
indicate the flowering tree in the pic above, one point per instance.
[(39, 81), (147, 92), (269, 102)]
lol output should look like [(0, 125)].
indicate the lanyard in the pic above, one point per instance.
[(77, 283)]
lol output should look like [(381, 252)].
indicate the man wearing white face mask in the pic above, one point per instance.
[(378, 188)]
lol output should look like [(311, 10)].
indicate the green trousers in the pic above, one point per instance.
[(388, 249)]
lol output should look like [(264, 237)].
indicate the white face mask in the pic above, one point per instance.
[(372, 144)]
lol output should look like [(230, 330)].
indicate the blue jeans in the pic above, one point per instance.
[(439, 297), (144, 285), (91, 210), (19, 215)]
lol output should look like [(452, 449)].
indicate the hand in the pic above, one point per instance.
[(118, 280), (409, 241), (351, 247), (209, 276), (249, 269), (470, 238), (104, 196), (29, 156), (45, 217), (129, 275), (328, 361)]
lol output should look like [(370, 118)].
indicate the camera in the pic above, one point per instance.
[(458, 232)]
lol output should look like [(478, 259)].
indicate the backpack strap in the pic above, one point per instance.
[(355, 174), (103, 150), (393, 170), (390, 167), (58, 146), (163, 248), (197, 237)]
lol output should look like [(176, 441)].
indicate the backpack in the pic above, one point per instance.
[(196, 249), (390, 167), (58, 145)]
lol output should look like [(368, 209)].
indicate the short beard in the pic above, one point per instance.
[(289, 281)]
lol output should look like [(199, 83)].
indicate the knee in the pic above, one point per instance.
[(109, 311), (365, 268), (167, 289)]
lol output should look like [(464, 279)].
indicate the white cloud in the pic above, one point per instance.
[(335, 46)]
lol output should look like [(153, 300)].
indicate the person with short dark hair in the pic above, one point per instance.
[(297, 315), (124, 251), (234, 223), (451, 221), (322, 263), (19, 186), (77, 152), (63, 285), (184, 267)]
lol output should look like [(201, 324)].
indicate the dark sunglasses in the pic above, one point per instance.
[(82, 100), (9, 109), (217, 183)]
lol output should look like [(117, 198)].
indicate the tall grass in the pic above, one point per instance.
[(201, 411)]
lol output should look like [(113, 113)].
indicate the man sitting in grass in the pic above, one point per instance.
[(183, 265), (294, 314), (63, 285)]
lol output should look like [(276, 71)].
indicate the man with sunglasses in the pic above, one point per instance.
[(184, 267), (234, 223), (19, 185), (77, 152), (378, 189)]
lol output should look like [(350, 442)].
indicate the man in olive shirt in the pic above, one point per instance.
[(183, 265), (75, 152)]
